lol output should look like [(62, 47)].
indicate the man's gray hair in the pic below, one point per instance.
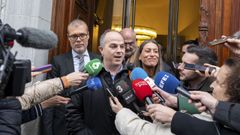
[(102, 38)]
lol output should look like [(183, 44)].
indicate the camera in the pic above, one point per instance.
[(14, 74)]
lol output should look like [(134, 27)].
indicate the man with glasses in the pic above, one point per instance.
[(129, 37), (190, 78), (73, 61)]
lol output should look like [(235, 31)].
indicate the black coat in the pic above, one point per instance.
[(228, 114), (10, 117), (90, 112), (185, 124), (53, 119)]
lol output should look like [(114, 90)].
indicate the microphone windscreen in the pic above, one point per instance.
[(93, 67), (35, 38), (138, 73), (141, 89), (167, 82), (94, 83)]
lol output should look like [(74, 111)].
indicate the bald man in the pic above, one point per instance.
[(129, 37)]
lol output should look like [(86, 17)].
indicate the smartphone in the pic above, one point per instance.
[(194, 67), (217, 41)]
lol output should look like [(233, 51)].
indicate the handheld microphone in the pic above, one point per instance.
[(125, 92), (93, 67), (139, 73), (170, 84), (92, 84), (222, 40), (142, 90), (35, 38)]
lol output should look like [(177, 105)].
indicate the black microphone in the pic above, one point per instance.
[(35, 38), (125, 92)]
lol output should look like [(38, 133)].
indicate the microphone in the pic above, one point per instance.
[(139, 73), (222, 40), (92, 84), (125, 92), (142, 90), (32, 37), (170, 84), (93, 67)]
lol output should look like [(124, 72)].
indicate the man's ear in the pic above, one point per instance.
[(100, 50)]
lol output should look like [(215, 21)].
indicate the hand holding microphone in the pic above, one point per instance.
[(207, 101), (170, 84), (76, 78), (92, 84)]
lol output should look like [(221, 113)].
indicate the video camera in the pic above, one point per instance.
[(14, 74)]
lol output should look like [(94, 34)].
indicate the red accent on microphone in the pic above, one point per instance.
[(142, 89)]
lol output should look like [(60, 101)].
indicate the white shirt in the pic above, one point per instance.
[(76, 61)]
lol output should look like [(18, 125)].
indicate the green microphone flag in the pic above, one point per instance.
[(93, 67)]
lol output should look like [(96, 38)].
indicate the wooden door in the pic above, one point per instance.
[(218, 17), (63, 12)]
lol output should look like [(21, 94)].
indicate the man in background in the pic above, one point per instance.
[(72, 61)]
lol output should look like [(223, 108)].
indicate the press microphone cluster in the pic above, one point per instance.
[(170, 84), (32, 37), (139, 73)]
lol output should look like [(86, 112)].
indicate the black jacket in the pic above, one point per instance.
[(10, 117), (90, 112), (53, 119), (185, 124), (228, 114)]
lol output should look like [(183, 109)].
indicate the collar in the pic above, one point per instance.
[(74, 54)]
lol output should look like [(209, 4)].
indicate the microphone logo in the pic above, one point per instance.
[(96, 65), (163, 80), (119, 89), (141, 83)]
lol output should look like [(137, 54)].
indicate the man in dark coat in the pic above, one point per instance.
[(54, 118), (90, 112)]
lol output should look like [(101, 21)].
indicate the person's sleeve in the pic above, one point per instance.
[(128, 123), (185, 124), (31, 114), (39, 92), (228, 114), (75, 117)]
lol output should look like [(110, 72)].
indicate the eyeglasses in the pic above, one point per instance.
[(129, 43), (74, 37)]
